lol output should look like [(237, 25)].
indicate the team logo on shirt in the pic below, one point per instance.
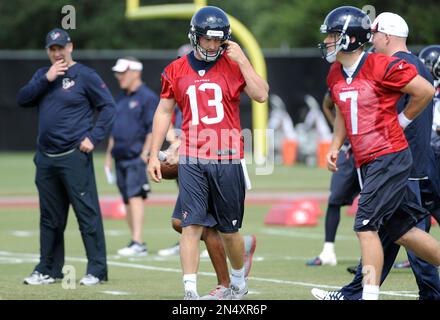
[(133, 104), (68, 83), (202, 72)]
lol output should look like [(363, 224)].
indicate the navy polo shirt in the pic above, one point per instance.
[(134, 120), (418, 132), (66, 108)]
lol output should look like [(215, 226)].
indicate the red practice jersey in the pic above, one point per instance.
[(368, 104), (210, 106)]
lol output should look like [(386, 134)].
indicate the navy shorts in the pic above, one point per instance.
[(177, 214), (386, 199), (211, 188), (131, 178), (344, 184)]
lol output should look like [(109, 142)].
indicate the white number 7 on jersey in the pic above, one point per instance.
[(353, 96), (216, 102)]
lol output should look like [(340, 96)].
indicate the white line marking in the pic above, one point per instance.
[(115, 293), (302, 235), (30, 258), (23, 233)]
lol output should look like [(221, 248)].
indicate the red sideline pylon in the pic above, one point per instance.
[(433, 221), (310, 205), (351, 211), (112, 209), (304, 212)]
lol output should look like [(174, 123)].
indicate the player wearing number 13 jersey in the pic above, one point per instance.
[(206, 84), (208, 94)]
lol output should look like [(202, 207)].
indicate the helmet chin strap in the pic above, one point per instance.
[(331, 57), (205, 56)]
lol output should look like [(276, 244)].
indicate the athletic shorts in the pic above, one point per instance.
[(386, 199), (131, 178), (344, 184), (211, 188)]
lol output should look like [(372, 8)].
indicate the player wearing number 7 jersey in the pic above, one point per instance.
[(206, 85), (365, 88)]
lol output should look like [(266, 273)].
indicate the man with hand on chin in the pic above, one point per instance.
[(67, 94)]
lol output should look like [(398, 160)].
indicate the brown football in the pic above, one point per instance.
[(169, 171)]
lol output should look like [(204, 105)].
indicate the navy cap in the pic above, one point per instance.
[(58, 37)]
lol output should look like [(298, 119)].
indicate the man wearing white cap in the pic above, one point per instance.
[(129, 146), (391, 24)]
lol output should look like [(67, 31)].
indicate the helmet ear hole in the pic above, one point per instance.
[(345, 42)]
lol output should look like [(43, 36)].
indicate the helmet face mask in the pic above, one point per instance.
[(339, 43), (353, 27), (211, 23)]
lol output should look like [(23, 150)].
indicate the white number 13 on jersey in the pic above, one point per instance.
[(216, 102), (353, 96)]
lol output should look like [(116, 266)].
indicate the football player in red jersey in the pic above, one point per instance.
[(365, 89), (206, 85)]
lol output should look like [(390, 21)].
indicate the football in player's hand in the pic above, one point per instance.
[(169, 171)]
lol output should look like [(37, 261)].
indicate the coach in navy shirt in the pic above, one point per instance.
[(67, 95), (129, 145)]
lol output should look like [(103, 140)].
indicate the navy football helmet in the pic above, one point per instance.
[(430, 56), (348, 22), (209, 22)]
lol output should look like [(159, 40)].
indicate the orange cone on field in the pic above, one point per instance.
[(289, 151), (323, 148)]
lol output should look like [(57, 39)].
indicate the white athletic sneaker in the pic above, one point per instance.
[(327, 295), (175, 251), (250, 243), (328, 258), (219, 293), (171, 251), (134, 249), (190, 295), (239, 294), (89, 280), (37, 278)]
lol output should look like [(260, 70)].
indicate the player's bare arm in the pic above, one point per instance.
[(146, 148), (421, 92), (328, 108), (339, 135), (256, 88), (161, 123)]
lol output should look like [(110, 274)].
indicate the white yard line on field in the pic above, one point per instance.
[(302, 235), (31, 258)]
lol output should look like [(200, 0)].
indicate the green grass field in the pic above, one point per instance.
[(278, 272)]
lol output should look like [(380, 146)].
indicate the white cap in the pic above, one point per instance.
[(123, 65), (390, 23)]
